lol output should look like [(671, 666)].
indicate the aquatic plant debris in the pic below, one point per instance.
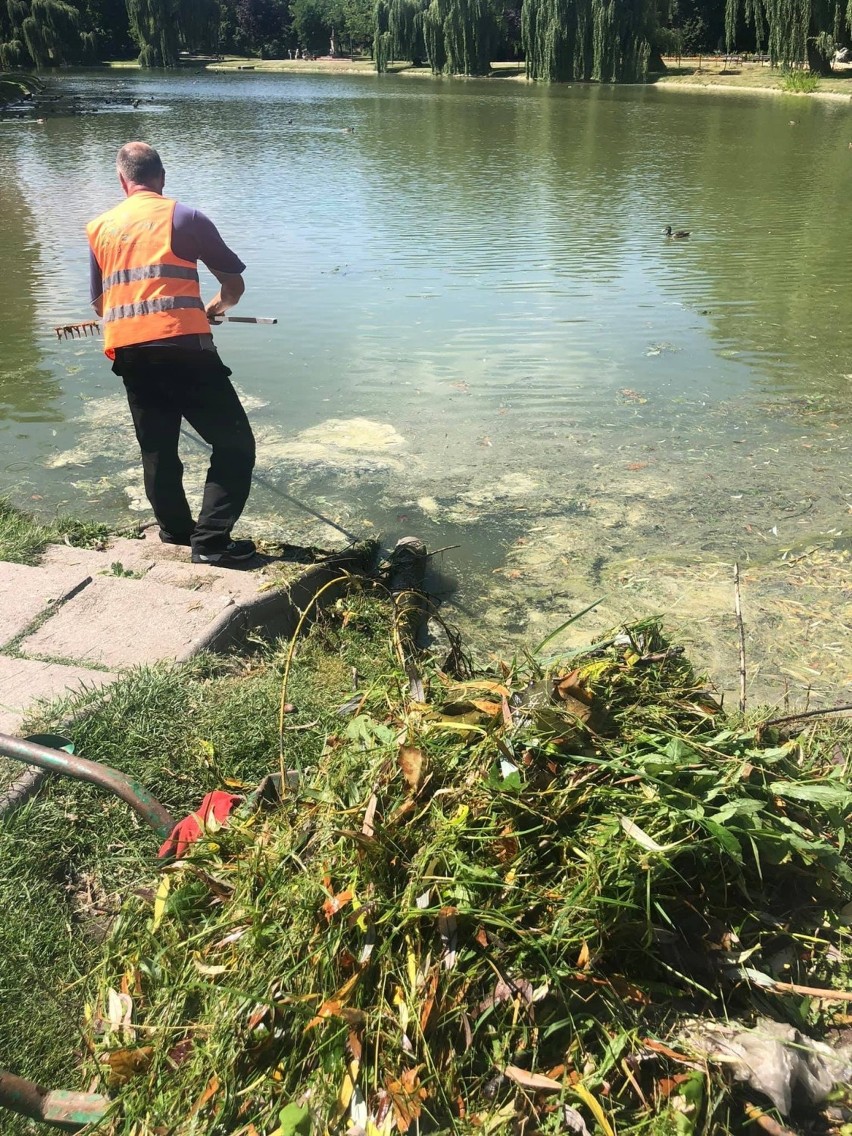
[(493, 909)]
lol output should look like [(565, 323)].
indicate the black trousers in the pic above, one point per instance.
[(165, 385)]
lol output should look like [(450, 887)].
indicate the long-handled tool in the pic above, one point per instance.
[(59, 760), (92, 327)]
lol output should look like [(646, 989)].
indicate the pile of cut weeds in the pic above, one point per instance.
[(488, 911)]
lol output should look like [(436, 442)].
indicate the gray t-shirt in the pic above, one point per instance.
[(194, 237)]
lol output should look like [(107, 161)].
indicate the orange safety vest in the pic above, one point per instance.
[(148, 292)]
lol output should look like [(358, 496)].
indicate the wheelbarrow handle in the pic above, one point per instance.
[(127, 789)]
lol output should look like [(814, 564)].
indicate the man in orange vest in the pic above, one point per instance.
[(144, 285)]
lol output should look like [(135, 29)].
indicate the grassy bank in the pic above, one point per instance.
[(23, 537), (698, 73), (490, 909), (313, 66), (68, 858), (716, 74)]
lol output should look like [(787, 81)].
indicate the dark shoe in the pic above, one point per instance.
[(234, 553), (169, 538)]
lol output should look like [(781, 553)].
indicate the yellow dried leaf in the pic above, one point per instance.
[(537, 1082), (411, 764), (486, 706), (406, 1095), (334, 1007), (594, 1106), (127, 1063), (160, 902), (207, 969), (485, 685)]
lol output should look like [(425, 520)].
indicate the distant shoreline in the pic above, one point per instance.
[(699, 87), (700, 74), (746, 77)]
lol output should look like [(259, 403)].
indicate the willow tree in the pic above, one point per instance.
[(459, 35), (161, 28), (793, 31), (456, 36), (397, 31), (38, 33), (154, 28), (602, 40)]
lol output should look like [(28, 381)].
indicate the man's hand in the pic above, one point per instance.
[(228, 296)]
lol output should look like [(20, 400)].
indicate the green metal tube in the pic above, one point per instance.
[(128, 790), (67, 1111)]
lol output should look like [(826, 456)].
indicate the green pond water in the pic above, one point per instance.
[(484, 339)]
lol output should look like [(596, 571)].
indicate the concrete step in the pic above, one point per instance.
[(24, 682), (135, 557), (163, 563), (239, 583), (119, 622), (26, 593)]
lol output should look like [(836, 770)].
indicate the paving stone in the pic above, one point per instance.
[(206, 578), (96, 563), (143, 553), (24, 681), (117, 622), (152, 546), (26, 592)]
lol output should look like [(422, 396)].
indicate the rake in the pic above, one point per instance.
[(92, 327)]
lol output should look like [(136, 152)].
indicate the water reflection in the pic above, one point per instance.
[(28, 389)]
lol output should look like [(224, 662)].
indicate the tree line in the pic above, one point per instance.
[(558, 40)]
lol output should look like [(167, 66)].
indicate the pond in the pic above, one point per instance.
[(485, 339)]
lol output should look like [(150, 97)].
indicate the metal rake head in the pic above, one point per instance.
[(78, 330)]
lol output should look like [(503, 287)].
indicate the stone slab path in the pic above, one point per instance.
[(80, 616)]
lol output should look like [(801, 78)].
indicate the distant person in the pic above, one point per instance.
[(144, 257)]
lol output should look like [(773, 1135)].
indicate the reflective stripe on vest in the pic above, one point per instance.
[(149, 307), (149, 294), (149, 272)]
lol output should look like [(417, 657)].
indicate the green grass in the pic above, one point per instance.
[(70, 855), (799, 82), (23, 537)]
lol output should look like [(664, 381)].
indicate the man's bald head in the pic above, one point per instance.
[(139, 164)]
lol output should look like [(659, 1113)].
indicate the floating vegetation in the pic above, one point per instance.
[(499, 903)]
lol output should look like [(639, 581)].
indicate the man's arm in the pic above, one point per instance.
[(228, 296), (195, 237), (96, 284)]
